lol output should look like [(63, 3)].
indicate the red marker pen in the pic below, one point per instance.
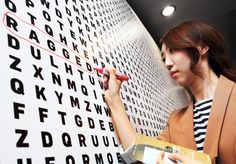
[(119, 76)]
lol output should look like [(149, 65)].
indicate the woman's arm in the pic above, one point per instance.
[(123, 127)]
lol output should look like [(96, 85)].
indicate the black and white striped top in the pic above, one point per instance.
[(201, 113)]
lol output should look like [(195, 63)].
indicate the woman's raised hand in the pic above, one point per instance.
[(112, 86)]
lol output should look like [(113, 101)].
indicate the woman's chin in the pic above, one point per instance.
[(181, 82)]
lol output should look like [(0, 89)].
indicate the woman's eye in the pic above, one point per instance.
[(163, 59), (171, 50)]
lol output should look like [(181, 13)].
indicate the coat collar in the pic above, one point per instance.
[(218, 110)]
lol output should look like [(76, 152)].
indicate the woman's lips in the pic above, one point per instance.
[(173, 73)]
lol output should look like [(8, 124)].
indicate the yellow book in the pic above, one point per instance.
[(146, 149)]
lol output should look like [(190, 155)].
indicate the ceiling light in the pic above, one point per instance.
[(167, 11)]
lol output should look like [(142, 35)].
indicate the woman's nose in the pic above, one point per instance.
[(168, 63)]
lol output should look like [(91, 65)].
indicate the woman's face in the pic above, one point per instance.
[(178, 64)]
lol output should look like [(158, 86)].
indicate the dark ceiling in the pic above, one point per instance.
[(219, 13)]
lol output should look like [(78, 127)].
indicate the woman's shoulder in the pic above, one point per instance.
[(226, 81), (225, 86)]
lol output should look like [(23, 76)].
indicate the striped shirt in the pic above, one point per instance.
[(201, 113)]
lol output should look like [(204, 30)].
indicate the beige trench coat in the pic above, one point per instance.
[(220, 140)]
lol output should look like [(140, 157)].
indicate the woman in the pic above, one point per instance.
[(194, 54)]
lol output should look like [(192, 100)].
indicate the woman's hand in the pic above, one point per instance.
[(183, 159), (112, 87), (119, 117), (177, 158), (160, 159)]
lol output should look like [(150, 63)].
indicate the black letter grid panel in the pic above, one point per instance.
[(52, 101)]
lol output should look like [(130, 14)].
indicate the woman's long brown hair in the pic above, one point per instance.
[(189, 35)]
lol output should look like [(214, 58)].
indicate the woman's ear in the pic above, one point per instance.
[(202, 50)]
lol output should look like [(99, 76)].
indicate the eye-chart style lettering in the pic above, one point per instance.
[(52, 101)]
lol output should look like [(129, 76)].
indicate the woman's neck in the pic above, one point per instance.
[(204, 87)]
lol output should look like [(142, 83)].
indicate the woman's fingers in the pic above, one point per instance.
[(160, 157), (183, 159), (176, 157), (105, 81), (106, 77), (112, 73)]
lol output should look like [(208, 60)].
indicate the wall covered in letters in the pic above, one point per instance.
[(52, 101)]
